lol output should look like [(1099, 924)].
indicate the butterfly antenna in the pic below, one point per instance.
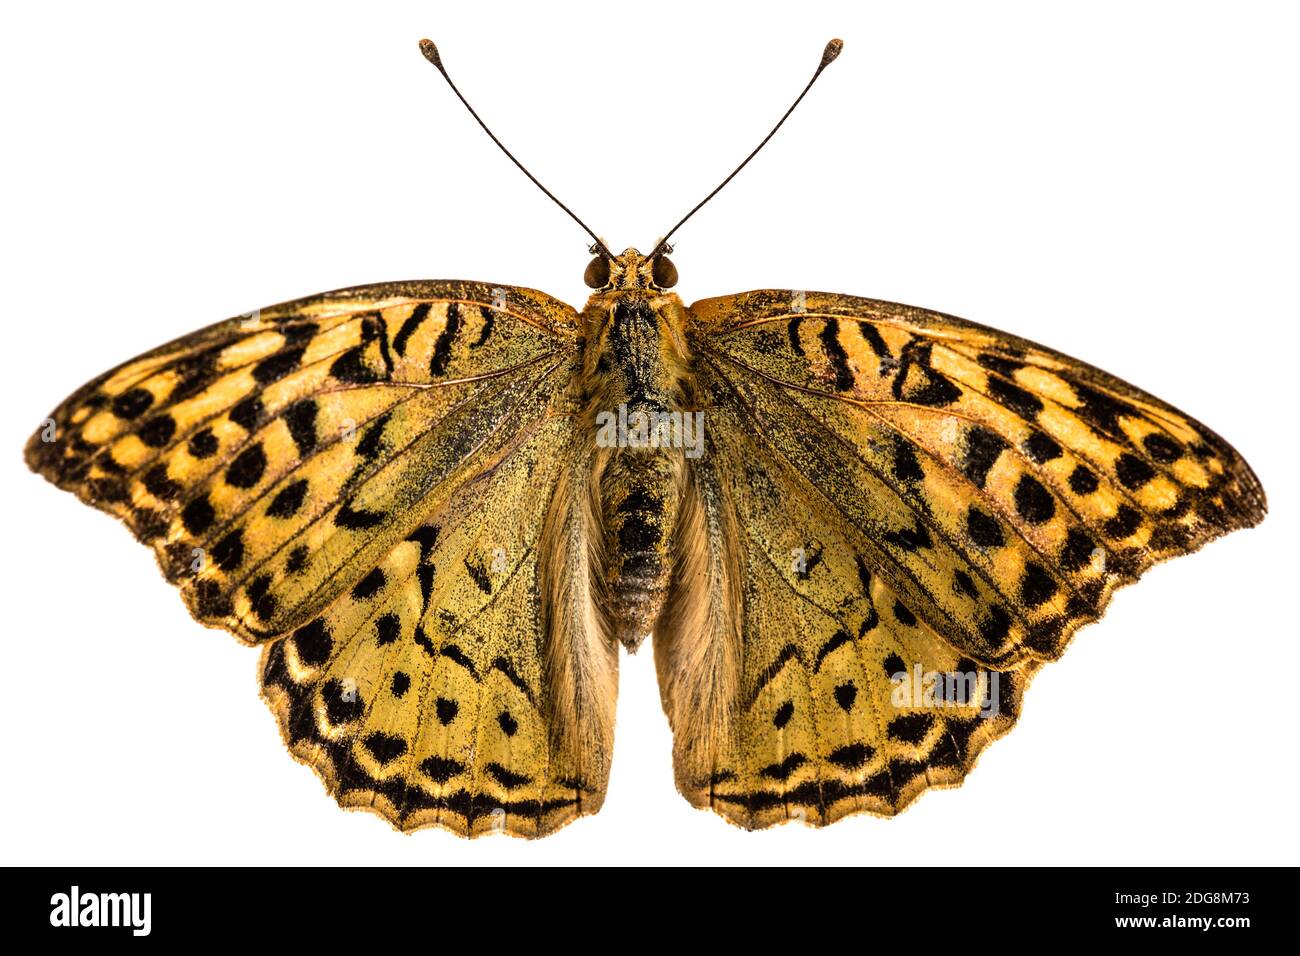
[(431, 54), (832, 50)]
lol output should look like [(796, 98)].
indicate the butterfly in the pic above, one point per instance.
[(852, 530)]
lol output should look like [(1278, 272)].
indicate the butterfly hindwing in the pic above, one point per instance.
[(429, 691), (363, 471), (972, 496), (818, 647)]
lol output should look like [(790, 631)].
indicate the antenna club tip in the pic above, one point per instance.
[(830, 53), (431, 53)]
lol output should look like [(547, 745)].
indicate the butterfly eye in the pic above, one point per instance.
[(664, 272), (597, 274)]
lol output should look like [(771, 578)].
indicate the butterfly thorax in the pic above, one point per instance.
[(640, 406)]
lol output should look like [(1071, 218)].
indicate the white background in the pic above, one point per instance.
[(1115, 180)]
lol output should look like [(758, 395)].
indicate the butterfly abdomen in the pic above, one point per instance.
[(639, 507), (638, 379)]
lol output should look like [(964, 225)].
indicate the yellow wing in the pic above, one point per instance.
[(922, 512), (361, 482)]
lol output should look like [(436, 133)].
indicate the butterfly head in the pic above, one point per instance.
[(630, 270)]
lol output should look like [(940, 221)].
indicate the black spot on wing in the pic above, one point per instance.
[(1012, 396), (159, 484), (426, 536), (1034, 503), (982, 448), (442, 345), (203, 444), (157, 431), (196, 372), (313, 643), (413, 322), (148, 524), (984, 529), (288, 500), (375, 329), (910, 539), (1041, 448), (839, 359), (385, 748), (1125, 521), (918, 383), (370, 585), (489, 320), (1076, 553), (864, 573), (300, 419), (479, 576), (783, 770), (260, 598), (1036, 586), (133, 403), (846, 695), (994, 628), (792, 332), (198, 515), (228, 553), (277, 366), (851, 756), (1162, 448), (506, 778), (446, 710), (812, 556), (247, 468), (871, 335), (1102, 411), (351, 367), (783, 715), (1083, 481), (248, 413), (996, 363), (343, 704), (388, 627), (297, 332), (1132, 471), (455, 654), (963, 584), (424, 573), (355, 519), (112, 490), (372, 442), (910, 728), (210, 600), (903, 615), (441, 769), (906, 467)]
